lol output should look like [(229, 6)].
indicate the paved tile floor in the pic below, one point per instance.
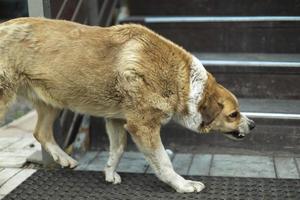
[(17, 142), (203, 164), (16, 145)]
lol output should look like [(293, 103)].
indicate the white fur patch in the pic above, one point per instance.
[(60, 156), (198, 78), (162, 166)]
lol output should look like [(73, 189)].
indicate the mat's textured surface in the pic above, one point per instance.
[(79, 185)]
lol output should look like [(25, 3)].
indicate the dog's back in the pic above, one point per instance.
[(68, 65), (60, 63)]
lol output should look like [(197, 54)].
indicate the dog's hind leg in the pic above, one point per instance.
[(118, 140), (44, 134)]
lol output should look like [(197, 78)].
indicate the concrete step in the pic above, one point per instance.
[(228, 34), (13, 8), (214, 7), (271, 107), (277, 131), (201, 164), (255, 75)]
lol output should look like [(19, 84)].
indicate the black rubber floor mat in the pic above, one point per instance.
[(79, 185)]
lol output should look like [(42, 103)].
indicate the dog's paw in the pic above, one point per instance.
[(60, 156), (190, 186), (112, 176)]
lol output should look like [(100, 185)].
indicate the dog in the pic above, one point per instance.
[(134, 78)]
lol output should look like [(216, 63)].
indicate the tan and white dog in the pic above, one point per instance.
[(128, 74)]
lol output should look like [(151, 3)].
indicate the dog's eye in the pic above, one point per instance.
[(234, 114)]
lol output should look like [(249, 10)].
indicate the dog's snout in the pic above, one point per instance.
[(251, 124)]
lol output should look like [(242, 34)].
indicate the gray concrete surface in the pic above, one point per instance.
[(203, 164)]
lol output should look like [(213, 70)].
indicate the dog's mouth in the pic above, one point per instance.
[(235, 135)]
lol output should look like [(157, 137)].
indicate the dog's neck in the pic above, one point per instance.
[(198, 77)]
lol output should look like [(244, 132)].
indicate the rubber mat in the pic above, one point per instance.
[(79, 185)]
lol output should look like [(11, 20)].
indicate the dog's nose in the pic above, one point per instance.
[(251, 125)]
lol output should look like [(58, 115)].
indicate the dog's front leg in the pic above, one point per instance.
[(149, 143)]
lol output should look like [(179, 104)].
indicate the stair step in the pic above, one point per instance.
[(13, 9), (214, 7), (277, 130), (255, 75), (272, 115), (250, 62), (271, 107), (257, 57), (180, 19), (228, 34)]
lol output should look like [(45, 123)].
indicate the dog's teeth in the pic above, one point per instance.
[(241, 134)]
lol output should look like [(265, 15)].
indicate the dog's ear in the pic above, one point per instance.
[(210, 106), (210, 109)]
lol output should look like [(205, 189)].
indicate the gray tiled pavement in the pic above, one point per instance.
[(243, 166), (286, 167), (97, 163), (298, 164), (204, 164), (201, 164), (182, 162), (133, 162)]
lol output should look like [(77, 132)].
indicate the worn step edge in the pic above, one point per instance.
[(272, 115), (249, 59), (180, 19), (284, 106), (225, 66), (264, 57), (250, 63), (270, 109)]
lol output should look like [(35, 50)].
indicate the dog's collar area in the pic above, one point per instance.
[(204, 128)]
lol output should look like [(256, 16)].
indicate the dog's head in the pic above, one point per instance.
[(220, 111)]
